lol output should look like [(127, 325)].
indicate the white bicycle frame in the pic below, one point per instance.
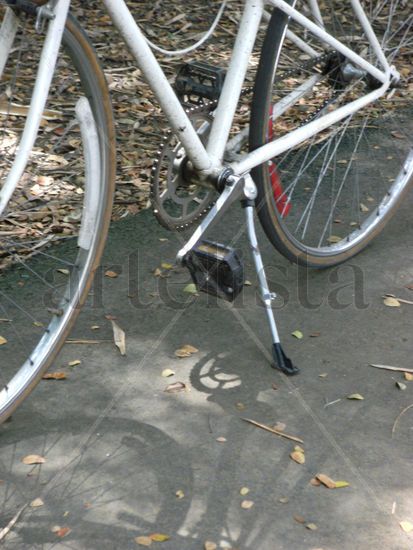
[(207, 160)]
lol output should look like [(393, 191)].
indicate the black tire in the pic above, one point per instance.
[(347, 233), (31, 347)]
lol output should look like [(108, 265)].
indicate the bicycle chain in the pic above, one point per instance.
[(207, 108)]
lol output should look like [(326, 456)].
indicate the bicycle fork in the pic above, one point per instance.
[(217, 269)]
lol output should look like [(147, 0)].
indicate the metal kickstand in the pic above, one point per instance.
[(281, 361)]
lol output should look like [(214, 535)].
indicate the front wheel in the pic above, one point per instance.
[(53, 230), (325, 200)]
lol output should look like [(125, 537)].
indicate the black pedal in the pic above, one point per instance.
[(216, 269), (197, 80)]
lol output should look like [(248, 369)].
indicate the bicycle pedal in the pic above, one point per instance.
[(200, 80), (216, 269)]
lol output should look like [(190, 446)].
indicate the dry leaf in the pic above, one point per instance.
[(208, 545), (297, 334), (341, 484), (280, 426), (247, 504), (311, 526), (111, 274), (157, 272), (191, 289), (391, 302), (363, 207), (221, 439), (179, 494), (299, 519), (244, 491), (143, 541), (407, 526), (315, 334), (298, 457), (408, 376), (398, 135), (186, 351), (327, 481), (54, 376), (62, 532), (36, 503), (356, 396), (2, 341), (247, 283), (159, 537), (323, 375), (401, 386), (334, 239), (119, 338), (166, 266), (167, 372), (315, 482), (240, 406), (33, 459), (75, 363), (176, 387), (283, 500)]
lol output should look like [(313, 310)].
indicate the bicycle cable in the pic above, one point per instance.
[(197, 44)]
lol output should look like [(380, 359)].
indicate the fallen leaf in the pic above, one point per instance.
[(159, 537), (274, 386), (247, 504), (240, 406), (191, 289), (95, 327), (3, 341), (110, 317), (186, 351), (62, 532), (244, 491), (74, 363), (119, 338), (408, 376), (63, 271), (33, 459), (36, 503), (111, 274), (163, 240), (398, 135), (167, 372), (356, 396), (208, 545), (363, 208), (247, 283), (327, 481), (54, 376), (391, 302), (157, 272), (401, 386), (221, 439), (283, 500), (143, 541), (280, 426), (407, 526), (297, 334), (315, 482), (298, 457), (179, 494), (334, 239), (299, 519), (315, 334), (176, 387), (311, 526), (166, 266), (323, 375), (341, 484)]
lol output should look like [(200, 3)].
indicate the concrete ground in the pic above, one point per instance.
[(118, 448)]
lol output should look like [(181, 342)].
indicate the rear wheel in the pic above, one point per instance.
[(55, 224), (323, 201)]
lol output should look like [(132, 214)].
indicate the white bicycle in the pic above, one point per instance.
[(329, 154)]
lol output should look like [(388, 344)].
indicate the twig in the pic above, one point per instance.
[(398, 418), (276, 432), (4, 532), (387, 367)]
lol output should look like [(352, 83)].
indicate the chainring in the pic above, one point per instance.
[(177, 203)]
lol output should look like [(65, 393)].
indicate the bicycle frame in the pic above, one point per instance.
[(207, 160)]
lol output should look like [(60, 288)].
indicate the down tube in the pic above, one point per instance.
[(147, 62)]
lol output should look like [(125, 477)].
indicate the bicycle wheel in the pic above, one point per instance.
[(324, 200), (53, 230)]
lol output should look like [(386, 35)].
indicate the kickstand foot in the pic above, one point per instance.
[(282, 362)]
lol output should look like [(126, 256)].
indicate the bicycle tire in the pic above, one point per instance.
[(296, 228), (66, 270)]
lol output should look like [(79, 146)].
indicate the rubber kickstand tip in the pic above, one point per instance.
[(282, 362)]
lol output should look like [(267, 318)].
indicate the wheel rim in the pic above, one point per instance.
[(342, 184), (42, 282)]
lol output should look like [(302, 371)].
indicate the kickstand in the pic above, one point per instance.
[(281, 361)]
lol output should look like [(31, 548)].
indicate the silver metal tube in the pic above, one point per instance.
[(38, 102), (158, 82), (234, 79), (8, 32)]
